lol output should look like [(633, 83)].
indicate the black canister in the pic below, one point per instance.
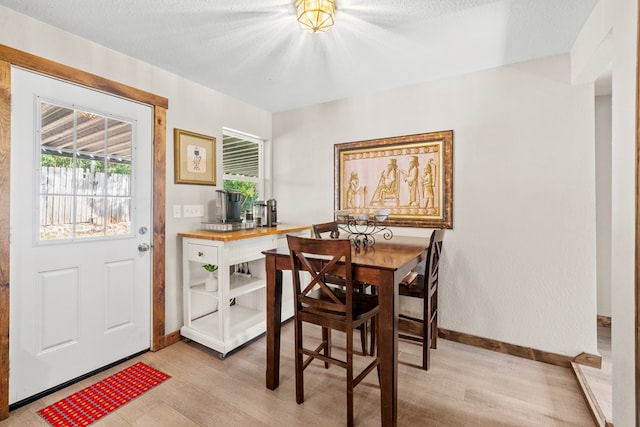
[(234, 206), (272, 213)]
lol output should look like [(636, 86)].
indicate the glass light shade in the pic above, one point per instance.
[(315, 15)]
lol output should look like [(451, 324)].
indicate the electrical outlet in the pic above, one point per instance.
[(177, 211), (193, 211)]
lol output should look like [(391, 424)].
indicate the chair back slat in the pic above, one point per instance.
[(315, 293), (433, 258)]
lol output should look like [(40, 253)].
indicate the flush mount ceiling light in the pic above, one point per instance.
[(315, 15)]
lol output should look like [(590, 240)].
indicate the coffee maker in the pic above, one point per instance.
[(229, 206)]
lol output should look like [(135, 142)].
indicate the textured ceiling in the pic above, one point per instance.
[(253, 50)]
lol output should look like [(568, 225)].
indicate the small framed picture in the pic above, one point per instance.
[(195, 158)]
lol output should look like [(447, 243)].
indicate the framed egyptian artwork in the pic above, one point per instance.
[(194, 158), (410, 177)]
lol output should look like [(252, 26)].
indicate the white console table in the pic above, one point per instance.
[(234, 314)]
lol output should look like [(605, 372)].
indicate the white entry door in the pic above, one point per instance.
[(80, 231)]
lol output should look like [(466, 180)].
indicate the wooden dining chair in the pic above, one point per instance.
[(332, 231), (329, 307), (326, 229), (425, 287)]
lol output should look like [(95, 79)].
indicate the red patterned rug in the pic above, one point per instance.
[(94, 402)]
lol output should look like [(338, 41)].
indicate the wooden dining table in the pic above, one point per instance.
[(384, 265)]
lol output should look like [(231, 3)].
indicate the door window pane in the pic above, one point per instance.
[(85, 174)]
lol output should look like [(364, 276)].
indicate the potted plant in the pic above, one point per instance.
[(211, 282)]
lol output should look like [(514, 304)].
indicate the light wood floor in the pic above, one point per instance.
[(466, 386)]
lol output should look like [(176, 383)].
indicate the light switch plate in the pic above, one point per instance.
[(177, 211), (193, 211)]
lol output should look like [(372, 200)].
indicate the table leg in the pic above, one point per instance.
[(388, 348), (274, 321)]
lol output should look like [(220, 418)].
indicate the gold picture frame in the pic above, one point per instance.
[(411, 176), (194, 158)]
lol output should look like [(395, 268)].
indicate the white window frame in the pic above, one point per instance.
[(260, 180)]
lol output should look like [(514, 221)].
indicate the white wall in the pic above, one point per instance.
[(623, 282), (603, 202), (519, 264), (191, 107)]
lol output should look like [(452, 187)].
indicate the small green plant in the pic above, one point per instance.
[(210, 267)]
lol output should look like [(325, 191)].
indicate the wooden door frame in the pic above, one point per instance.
[(12, 57)]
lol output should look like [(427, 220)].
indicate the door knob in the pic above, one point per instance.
[(143, 247)]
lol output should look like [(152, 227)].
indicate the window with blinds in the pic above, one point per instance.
[(242, 164)]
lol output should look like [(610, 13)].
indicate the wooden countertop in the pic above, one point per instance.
[(227, 236)]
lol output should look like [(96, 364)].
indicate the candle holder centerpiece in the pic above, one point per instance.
[(362, 228)]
